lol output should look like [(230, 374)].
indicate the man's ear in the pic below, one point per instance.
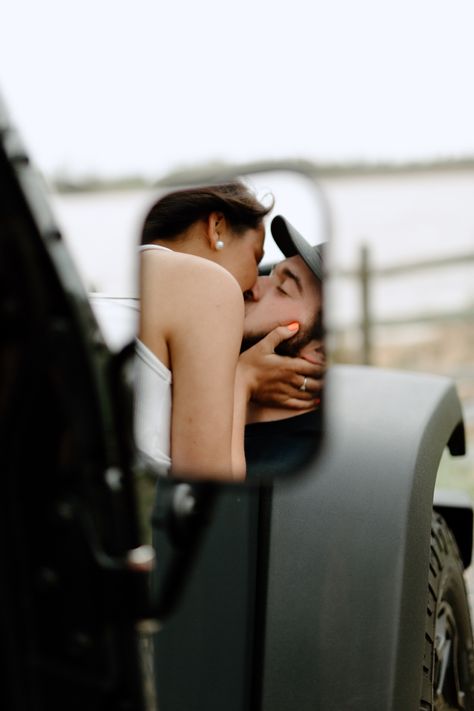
[(216, 229)]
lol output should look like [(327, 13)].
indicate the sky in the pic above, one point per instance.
[(113, 87)]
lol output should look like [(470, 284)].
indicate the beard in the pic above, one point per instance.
[(289, 347)]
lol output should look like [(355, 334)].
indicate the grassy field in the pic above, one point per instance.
[(457, 472)]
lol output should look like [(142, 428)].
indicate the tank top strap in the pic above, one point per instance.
[(145, 247)]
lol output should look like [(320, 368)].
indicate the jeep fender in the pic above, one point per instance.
[(349, 547)]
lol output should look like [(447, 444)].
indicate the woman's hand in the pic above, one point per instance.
[(277, 380)]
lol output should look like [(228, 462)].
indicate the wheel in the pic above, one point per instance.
[(448, 665)]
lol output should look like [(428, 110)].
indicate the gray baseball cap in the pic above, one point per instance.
[(292, 243)]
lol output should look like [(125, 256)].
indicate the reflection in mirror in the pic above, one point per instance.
[(230, 355)]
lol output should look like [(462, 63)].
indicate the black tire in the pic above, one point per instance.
[(448, 670)]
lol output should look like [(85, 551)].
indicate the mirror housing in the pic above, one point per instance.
[(301, 200)]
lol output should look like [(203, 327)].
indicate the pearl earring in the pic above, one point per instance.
[(219, 244)]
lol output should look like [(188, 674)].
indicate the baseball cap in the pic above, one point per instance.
[(292, 243)]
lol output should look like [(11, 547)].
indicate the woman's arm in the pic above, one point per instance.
[(204, 334), (276, 380)]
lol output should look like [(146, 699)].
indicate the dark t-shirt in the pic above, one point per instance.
[(280, 447)]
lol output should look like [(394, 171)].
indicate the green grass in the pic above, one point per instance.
[(457, 472)]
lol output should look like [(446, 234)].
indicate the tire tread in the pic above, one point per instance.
[(444, 558)]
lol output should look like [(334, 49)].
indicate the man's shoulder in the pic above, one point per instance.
[(296, 422), (279, 447)]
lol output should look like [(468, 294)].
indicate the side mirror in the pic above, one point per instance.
[(299, 198), (277, 442)]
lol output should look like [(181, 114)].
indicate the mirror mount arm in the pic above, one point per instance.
[(182, 513)]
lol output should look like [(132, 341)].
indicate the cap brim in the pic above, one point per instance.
[(292, 244)]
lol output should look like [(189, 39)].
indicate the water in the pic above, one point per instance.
[(400, 217)]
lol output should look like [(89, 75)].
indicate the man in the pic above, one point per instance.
[(278, 440)]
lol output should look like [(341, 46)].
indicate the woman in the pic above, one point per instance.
[(200, 252)]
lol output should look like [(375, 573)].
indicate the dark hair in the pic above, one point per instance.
[(176, 211)]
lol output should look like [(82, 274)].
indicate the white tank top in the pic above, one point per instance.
[(153, 400), (118, 318), (152, 417)]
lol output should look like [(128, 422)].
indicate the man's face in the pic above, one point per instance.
[(290, 293)]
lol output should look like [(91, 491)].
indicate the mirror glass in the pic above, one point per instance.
[(181, 304)]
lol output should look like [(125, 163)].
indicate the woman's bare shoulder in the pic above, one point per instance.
[(189, 275)]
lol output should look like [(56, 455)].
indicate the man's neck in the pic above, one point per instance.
[(263, 413)]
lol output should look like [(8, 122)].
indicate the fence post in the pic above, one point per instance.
[(364, 275)]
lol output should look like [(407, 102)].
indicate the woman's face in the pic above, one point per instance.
[(242, 254)]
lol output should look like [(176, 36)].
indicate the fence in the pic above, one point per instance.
[(365, 275)]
